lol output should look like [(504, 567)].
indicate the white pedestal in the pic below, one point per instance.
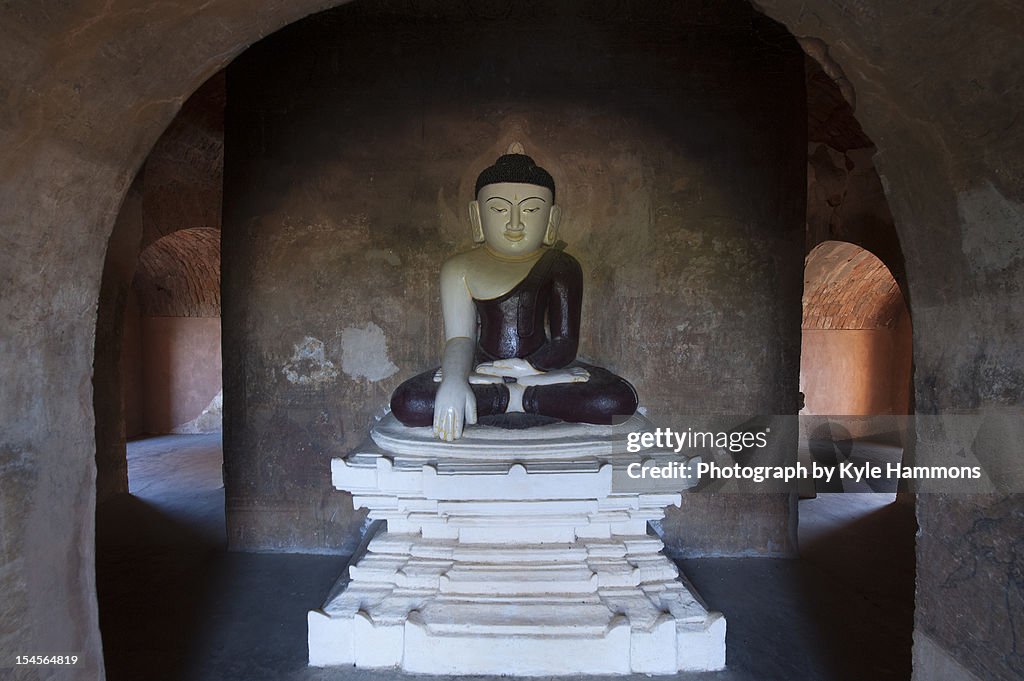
[(512, 552)]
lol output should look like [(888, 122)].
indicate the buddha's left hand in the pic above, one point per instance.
[(512, 367)]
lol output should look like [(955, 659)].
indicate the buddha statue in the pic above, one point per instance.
[(511, 309)]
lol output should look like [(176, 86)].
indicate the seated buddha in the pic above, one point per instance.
[(511, 309)]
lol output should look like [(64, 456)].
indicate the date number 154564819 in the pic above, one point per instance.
[(45, 660)]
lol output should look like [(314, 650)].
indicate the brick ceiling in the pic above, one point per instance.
[(847, 287)]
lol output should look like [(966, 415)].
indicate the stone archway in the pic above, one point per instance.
[(856, 346), (178, 291), (179, 187), (90, 88)]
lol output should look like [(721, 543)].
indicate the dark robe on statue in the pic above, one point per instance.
[(539, 321)]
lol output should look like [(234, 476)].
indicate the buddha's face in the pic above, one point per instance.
[(515, 217)]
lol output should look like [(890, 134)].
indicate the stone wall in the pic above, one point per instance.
[(354, 140)]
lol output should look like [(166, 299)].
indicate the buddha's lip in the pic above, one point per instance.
[(514, 236)]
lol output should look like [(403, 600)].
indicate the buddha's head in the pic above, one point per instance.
[(514, 212)]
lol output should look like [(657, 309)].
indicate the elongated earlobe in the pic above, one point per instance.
[(551, 235), (474, 220)]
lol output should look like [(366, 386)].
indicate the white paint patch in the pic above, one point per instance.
[(388, 256), (209, 421), (364, 353), (992, 235), (309, 364)]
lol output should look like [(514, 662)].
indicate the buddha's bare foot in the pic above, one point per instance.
[(511, 368)]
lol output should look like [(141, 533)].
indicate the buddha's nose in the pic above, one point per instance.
[(514, 223)]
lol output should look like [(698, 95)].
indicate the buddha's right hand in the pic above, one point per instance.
[(454, 408), (512, 368)]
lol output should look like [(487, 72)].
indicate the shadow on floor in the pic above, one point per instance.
[(863, 545), (152, 581), (801, 619)]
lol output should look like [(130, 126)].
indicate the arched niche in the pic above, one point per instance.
[(353, 143)]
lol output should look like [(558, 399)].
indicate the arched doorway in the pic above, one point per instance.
[(175, 360), (856, 352), (157, 396), (855, 378)]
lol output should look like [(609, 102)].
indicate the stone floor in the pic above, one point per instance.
[(175, 605)]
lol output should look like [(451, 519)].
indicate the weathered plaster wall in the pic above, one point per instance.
[(184, 173), (846, 202), (353, 143), (174, 362), (89, 87), (109, 372), (181, 368), (132, 384), (845, 197), (855, 372)]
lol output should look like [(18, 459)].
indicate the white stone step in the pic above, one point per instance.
[(576, 620), (522, 655), (486, 579)]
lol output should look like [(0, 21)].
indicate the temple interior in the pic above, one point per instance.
[(223, 225)]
